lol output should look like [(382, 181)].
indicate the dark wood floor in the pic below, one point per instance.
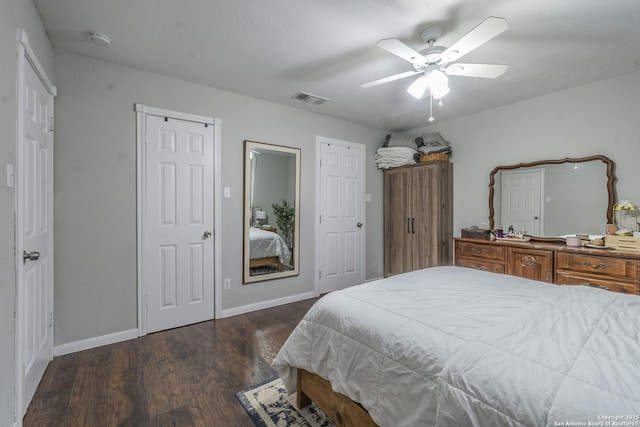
[(181, 377)]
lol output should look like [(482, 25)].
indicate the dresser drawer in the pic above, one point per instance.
[(576, 279), (624, 268), (530, 263), (480, 264), (478, 250)]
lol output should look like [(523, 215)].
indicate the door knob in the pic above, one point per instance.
[(535, 217), (31, 256), (359, 225), (206, 235)]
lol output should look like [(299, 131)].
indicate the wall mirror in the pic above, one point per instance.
[(554, 198), (271, 211)]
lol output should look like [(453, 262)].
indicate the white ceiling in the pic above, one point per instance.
[(270, 49)]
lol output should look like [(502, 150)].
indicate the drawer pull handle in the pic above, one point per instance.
[(479, 251), (596, 266), (528, 261), (479, 267), (594, 285)]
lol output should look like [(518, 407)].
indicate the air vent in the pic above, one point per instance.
[(309, 98)]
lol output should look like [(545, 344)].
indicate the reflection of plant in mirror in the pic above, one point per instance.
[(285, 215)]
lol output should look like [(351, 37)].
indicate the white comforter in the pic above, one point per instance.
[(450, 346), (265, 244)]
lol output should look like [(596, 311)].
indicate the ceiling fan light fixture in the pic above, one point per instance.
[(438, 83), (440, 92), (419, 87)]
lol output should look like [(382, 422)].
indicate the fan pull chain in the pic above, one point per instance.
[(431, 106)]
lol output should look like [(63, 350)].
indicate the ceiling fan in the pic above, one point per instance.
[(434, 63)]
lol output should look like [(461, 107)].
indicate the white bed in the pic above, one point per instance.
[(267, 247), (450, 346)]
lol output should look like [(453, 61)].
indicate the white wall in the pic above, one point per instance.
[(274, 176), (599, 118), (95, 188), (14, 14)]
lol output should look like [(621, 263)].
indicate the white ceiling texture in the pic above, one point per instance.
[(270, 49)]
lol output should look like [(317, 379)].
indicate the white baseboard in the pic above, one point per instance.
[(373, 279), (94, 342), (266, 304)]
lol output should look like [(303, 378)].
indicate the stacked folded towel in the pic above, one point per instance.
[(435, 149), (433, 143), (389, 157)]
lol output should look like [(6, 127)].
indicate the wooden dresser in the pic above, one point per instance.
[(554, 263)]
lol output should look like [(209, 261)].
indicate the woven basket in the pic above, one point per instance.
[(434, 157)]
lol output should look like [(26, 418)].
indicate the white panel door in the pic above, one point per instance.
[(179, 223), (521, 206), (34, 220), (341, 216)]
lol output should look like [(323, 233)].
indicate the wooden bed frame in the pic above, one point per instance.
[(260, 262), (343, 411)]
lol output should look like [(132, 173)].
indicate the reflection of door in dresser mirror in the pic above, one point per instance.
[(272, 177), (521, 205), (576, 196)]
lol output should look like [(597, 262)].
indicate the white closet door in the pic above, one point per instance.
[(34, 240), (179, 223), (342, 216)]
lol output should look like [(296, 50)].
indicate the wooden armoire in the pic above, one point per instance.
[(418, 217)]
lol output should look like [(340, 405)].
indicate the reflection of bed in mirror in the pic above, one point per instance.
[(268, 249), (272, 212)]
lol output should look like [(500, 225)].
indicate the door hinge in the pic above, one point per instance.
[(320, 162), (319, 274), (51, 124), (50, 318), (320, 219)]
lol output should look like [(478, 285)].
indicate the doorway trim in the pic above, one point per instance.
[(141, 113), (324, 140), (26, 57)]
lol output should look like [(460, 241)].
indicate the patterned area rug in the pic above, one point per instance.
[(269, 405), (257, 271)]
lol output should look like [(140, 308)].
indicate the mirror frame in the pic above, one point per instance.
[(295, 253), (611, 184)]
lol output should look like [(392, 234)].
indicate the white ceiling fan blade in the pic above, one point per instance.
[(400, 49), (487, 71), (488, 29), (390, 78)]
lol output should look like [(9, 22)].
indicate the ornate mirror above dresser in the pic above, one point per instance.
[(552, 198)]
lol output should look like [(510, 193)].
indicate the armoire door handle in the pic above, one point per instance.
[(413, 225), (409, 225)]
